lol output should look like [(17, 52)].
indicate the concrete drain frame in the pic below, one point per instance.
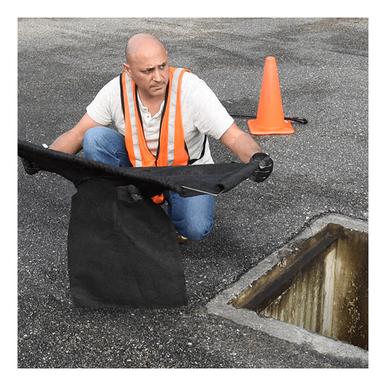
[(238, 305)]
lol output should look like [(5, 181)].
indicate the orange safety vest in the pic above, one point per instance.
[(171, 130)]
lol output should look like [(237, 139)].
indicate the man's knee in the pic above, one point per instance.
[(197, 231), (105, 145), (193, 217), (93, 137)]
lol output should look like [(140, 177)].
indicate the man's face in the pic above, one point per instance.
[(149, 69)]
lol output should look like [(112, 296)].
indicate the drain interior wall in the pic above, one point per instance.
[(329, 296), (350, 321)]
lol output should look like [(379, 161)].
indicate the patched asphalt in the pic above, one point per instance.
[(322, 168)]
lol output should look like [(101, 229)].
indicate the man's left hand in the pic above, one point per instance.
[(265, 167)]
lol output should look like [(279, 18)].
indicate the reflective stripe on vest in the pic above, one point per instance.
[(172, 132)]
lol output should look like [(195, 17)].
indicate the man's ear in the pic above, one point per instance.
[(127, 68)]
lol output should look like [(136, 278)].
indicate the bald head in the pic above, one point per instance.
[(147, 65), (143, 44)]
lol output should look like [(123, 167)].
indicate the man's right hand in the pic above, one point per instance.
[(30, 167)]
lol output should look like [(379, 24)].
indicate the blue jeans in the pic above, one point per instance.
[(192, 217)]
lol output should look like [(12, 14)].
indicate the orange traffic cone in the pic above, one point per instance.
[(270, 115)]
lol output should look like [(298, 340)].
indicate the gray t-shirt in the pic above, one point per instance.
[(202, 114)]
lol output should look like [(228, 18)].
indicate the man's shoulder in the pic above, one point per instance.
[(189, 77), (193, 83)]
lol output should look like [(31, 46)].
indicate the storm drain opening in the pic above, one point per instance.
[(321, 287)]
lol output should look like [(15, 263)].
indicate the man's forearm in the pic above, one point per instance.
[(245, 147), (240, 143), (69, 142), (72, 140)]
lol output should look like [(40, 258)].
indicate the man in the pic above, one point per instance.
[(163, 116)]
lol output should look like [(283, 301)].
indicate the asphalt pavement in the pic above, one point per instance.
[(322, 168)]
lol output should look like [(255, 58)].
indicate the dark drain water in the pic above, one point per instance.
[(322, 287)]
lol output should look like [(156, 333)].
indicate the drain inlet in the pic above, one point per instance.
[(313, 290)]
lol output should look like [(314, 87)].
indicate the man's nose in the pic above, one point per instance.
[(157, 77)]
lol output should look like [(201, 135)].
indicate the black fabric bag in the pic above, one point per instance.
[(122, 248), (122, 251), (150, 181)]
